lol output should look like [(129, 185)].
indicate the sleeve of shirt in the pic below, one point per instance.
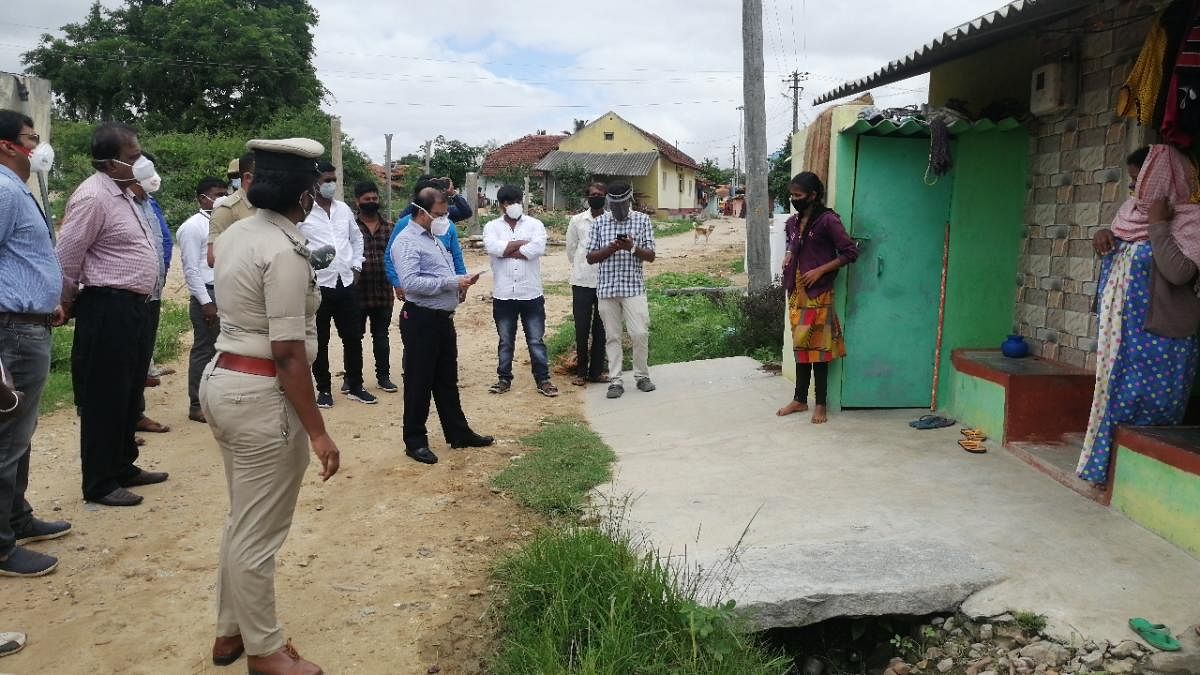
[(286, 281), (389, 267), (222, 218), (8, 213), (572, 238), (847, 250), (646, 241), (412, 279), (536, 247), (75, 236), (356, 243), (455, 248), (191, 252), (492, 242), (1168, 258), (168, 240), (459, 209), (594, 243)]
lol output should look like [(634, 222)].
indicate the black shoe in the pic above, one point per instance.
[(422, 455), (345, 387), (361, 395), (386, 384), (40, 530), (644, 384), (25, 563), (324, 399), (144, 477), (500, 387), (615, 390), (473, 440), (119, 497)]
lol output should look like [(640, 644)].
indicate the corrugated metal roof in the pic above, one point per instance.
[(972, 36), (604, 164), (911, 126)]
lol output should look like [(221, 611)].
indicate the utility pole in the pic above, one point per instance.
[(758, 212), (387, 171), (335, 152), (471, 188), (734, 183), (793, 83), (428, 154)]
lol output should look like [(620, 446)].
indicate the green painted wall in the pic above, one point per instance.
[(1159, 497), (844, 159), (986, 215), (975, 402)]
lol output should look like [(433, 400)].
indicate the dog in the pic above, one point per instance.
[(705, 229)]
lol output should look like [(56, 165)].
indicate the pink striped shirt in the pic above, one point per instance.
[(104, 241)]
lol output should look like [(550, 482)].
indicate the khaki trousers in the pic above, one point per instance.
[(266, 452), (636, 314)]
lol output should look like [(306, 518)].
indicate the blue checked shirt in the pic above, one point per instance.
[(30, 277), (424, 268), (621, 275)]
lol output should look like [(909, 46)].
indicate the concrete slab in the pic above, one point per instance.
[(866, 516)]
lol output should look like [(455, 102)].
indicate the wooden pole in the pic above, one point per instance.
[(335, 152), (428, 154), (758, 200), (387, 172), (937, 354), (472, 194)]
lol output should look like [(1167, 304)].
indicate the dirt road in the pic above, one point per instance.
[(387, 566)]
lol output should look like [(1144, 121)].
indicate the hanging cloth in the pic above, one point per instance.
[(1138, 97), (1181, 116)]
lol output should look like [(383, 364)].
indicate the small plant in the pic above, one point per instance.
[(907, 647), (1030, 622), (708, 628)]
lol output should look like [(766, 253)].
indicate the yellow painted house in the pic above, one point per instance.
[(611, 148)]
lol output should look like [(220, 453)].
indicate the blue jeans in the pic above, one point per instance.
[(25, 350), (533, 321)]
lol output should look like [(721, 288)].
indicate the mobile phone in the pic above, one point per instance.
[(622, 237)]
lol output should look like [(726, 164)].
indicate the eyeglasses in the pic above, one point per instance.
[(33, 137)]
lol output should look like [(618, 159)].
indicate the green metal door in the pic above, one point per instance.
[(893, 289)]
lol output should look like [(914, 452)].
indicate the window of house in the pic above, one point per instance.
[(681, 183), (608, 135), (664, 180)]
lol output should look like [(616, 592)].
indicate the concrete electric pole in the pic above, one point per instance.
[(793, 83), (387, 172), (758, 201)]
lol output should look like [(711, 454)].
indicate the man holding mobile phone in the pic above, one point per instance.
[(432, 293)]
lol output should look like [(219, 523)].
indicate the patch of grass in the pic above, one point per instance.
[(669, 280), (1030, 622), (738, 266), (60, 392), (557, 288), (569, 460), (673, 226), (555, 221), (582, 600)]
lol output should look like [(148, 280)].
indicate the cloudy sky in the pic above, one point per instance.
[(503, 68)]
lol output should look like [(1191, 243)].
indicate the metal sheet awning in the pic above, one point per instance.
[(599, 163), (991, 28), (911, 126)]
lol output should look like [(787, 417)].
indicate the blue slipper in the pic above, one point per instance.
[(932, 422)]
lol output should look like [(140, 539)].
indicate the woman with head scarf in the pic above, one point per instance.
[(1148, 307)]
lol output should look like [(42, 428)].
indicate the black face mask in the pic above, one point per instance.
[(801, 205), (597, 203), (369, 208)]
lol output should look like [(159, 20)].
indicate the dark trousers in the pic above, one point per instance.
[(25, 351), (586, 310), (341, 305), (204, 348), (804, 372), (430, 370), (532, 314), (381, 320), (151, 330), (109, 360)]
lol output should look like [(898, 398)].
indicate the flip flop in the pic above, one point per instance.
[(974, 435), (921, 420), (972, 446), (1157, 634), (932, 422)]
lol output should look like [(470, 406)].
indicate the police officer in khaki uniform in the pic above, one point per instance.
[(258, 398), (234, 207)]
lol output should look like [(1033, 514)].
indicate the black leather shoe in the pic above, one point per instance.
[(144, 477), (119, 497), (473, 440), (422, 455)]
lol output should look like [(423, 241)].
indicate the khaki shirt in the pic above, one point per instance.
[(231, 209), (268, 290)]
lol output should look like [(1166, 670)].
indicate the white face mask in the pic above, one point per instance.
[(143, 169), (440, 226), (514, 211), (236, 184), (42, 158), (151, 184), (328, 190)]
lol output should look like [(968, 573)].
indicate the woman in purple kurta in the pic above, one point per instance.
[(817, 247)]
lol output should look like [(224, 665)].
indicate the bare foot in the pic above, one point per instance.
[(820, 416), (791, 408)]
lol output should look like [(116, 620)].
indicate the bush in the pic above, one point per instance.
[(758, 323)]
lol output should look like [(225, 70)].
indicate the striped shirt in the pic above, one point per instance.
[(620, 276), (516, 278), (105, 242), (30, 278), (425, 269)]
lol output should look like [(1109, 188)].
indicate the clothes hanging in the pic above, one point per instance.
[(1138, 97), (1181, 116)]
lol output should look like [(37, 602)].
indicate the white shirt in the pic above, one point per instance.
[(515, 278), (336, 228), (578, 233), (193, 250)]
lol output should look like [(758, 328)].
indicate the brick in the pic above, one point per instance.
[(1061, 247), (1050, 351), (1040, 247), (1080, 248), (1092, 158), (1082, 177), (1059, 231), (1088, 215), (1051, 283), (1047, 163), (1091, 362), (1116, 133), (1092, 137), (1063, 215), (1032, 315), (1079, 231), (1035, 296), (1070, 140), (1087, 344), (1082, 268), (1050, 144), (1112, 192), (1071, 286), (1077, 303), (1045, 196), (1069, 160), (1086, 122), (1092, 65), (1087, 194), (1115, 155), (1060, 267), (1038, 265), (1094, 325), (1108, 211), (1089, 288), (1096, 45), (1062, 179), (1072, 356), (1077, 322), (1055, 299), (1095, 80), (1065, 195), (1043, 214), (1046, 335)]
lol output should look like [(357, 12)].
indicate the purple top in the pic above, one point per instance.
[(824, 241)]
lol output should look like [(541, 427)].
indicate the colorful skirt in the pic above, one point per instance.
[(816, 331)]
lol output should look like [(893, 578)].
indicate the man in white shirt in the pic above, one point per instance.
[(585, 308), (193, 246), (331, 223), (516, 242)]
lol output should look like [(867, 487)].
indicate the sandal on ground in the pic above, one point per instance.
[(931, 422), (974, 435), (547, 388), (973, 447), (1156, 634), (579, 381)]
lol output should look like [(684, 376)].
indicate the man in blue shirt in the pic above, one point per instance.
[(457, 206), (432, 291), (30, 284)]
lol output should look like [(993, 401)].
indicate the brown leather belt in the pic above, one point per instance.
[(22, 317), (246, 364)]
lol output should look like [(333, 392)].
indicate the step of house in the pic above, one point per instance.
[(1058, 461)]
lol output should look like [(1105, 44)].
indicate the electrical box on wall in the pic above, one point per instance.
[(1053, 88)]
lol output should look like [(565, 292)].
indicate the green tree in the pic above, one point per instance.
[(780, 174), (573, 181), (454, 159), (184, 65), (711, 172)]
